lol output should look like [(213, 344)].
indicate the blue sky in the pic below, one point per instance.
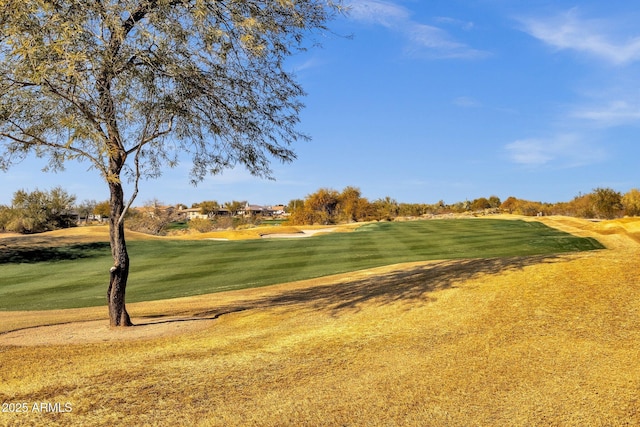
[(442, 100)]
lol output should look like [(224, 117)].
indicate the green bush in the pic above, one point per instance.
[(38, 211)]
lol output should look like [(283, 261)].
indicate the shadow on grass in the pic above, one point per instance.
[(414, 284), (34, 254)]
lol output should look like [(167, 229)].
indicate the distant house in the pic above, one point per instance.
[(154, 210), (277, 210), (247, 210), (192, 213), (257, 210), (196, 213), (253, 210), (96, 217)]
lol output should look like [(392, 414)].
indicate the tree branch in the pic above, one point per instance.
[(155, 135), (88, 114), (134, 194), (20, 83), (34, 140)]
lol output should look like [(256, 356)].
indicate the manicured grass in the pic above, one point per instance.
[(77, 276), (178, 225)]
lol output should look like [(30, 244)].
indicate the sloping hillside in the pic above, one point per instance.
[(550, 340)]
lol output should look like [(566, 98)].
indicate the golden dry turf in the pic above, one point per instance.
[(527, 341)]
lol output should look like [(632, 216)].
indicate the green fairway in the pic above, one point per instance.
[(78, 276)]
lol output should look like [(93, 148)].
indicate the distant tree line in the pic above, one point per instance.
[(601, 203), (327, 206), (38, 211)]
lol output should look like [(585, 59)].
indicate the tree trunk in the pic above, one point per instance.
[(119, 273)]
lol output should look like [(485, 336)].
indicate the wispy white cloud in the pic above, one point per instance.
[(465, 25), (529, 152), (610, 113), (437, 42), (562, 150), (308, 64), (378, 12), (595, 37), (424, 39), (466, 102)]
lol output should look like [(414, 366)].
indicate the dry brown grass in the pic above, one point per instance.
[(520, 341)]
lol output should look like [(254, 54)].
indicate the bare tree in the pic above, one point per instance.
[(86, 209), (131, 86)]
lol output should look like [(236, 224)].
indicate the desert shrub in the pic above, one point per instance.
[(37, 211), (6, 216), (201, 225), (153, 218), (19, 224), (225, 222), (246, 226)]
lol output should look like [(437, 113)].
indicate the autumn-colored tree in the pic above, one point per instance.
[(298, 214), (480, 204), (323, 206), (294, 204), (102, 209), (131, 86), (350, 205), (524, 207), (631, 202), (581, 206), (607, 202), (530, 208), (385, 209), (509, 205), (328, 206)]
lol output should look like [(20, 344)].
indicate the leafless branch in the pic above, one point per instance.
[(35, 140), (134, 194)]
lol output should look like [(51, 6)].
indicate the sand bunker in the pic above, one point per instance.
[(302, 233)]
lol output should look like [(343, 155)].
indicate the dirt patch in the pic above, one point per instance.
[(6, 235), (96, 331)]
